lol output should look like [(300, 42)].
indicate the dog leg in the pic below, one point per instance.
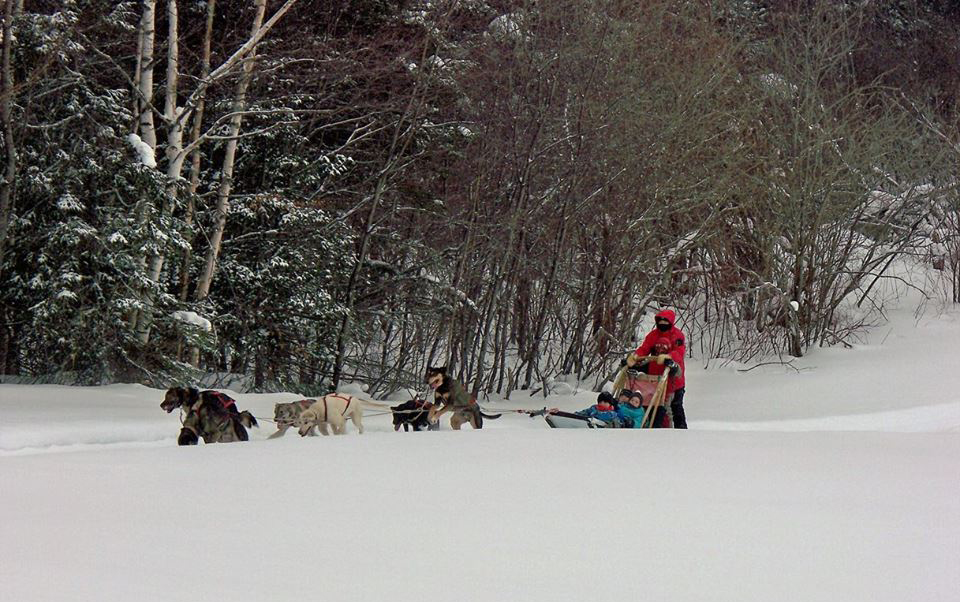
[(240, 432), (436, 412), (187, 437), (338, 423), (323, 428), (358, 421), (281, 430)]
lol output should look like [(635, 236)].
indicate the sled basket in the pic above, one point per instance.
[(646, 385)]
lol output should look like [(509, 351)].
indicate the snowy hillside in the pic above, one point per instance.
[(846, 488)]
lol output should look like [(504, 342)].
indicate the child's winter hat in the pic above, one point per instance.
[(605, 396), (662, 345)]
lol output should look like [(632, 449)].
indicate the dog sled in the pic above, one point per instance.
[(568, 420), (652, 387)]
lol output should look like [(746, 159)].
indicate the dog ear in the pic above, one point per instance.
[(190, 395)]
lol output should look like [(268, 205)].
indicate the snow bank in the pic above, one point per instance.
[(489, 515)]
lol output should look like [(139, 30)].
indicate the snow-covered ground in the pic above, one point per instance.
[(837, 481)]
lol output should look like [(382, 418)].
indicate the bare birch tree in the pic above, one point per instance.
[(196, 155), (11, 9), (175, 117)]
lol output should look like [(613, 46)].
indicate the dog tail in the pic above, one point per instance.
[(491, 416), (373, 404), (248, 420)]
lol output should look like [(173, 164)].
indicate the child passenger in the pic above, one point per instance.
[(631, 409), (605, 410)]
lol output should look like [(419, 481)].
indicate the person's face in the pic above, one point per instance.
[(635, 402)]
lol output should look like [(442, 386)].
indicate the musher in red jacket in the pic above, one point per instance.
[(664, 342)]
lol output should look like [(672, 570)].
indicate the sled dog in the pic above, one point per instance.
[(334, 410), (449, 395), (208, 415), (412, 414), (286, 415)]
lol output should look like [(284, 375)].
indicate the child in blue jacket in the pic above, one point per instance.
[(631, 409), (605, 409)]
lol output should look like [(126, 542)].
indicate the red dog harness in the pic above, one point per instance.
[(225, 400), (346, 398)]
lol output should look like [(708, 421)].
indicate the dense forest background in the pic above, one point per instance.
[(311, 191)]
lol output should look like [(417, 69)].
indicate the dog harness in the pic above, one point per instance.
[(346, 398), (225, 400), (186, 411)]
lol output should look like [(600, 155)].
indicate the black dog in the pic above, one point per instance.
[(209, 415), (414, 414)]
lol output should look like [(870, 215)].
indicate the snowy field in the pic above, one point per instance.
[(840, 481)]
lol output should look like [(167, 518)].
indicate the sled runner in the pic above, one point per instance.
[(567, 420)]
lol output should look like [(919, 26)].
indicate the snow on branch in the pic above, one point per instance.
[(147, 156), (193, 319)]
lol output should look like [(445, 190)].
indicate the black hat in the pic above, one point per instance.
[(605, 396)]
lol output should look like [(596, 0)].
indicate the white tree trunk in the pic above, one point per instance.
[(148, 132), (226, 174), (10, 10), (171, 115), (195, 155), (176, 117), (174, 153), (249, 49), (144, 126)]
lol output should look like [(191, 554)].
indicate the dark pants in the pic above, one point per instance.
[(676, 407), (660, 418)]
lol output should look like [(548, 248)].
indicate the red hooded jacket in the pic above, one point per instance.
[(677, 350)]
